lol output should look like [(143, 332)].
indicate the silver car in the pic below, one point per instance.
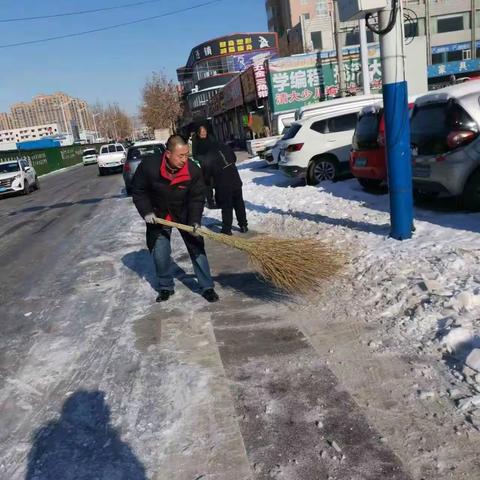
[(136, 153), (445, 137)]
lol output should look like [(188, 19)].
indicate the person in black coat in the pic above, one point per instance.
[(171, 187), (200, 144), (219, 169)]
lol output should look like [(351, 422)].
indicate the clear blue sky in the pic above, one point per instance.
[(109, 66)]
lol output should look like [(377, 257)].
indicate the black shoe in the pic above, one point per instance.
[(243, 229), (164, 295), (226, 232), (210, 295)]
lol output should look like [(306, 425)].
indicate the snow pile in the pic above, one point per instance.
[(424, 293)]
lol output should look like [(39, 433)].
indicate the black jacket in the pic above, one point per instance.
[(182, 199), (219, 168)]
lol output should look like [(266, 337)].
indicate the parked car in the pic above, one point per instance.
[(136, 153), (337, 104), (272, 154), (111, 158), (18, 176), (445, 139), (89, 156), (368, 161), (318, 147)]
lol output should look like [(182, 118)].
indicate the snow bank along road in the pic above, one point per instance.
[(367, 381)]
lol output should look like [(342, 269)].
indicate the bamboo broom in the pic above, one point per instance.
[(294, 265)]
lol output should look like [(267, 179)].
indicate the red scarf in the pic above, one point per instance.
[(180, 176)]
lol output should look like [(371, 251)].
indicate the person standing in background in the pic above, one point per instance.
[(220, 170)]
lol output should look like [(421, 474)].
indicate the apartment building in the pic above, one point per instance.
[(6, 121), (59, 108)]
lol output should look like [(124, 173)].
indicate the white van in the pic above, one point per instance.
[(318, 147), (335, 105)]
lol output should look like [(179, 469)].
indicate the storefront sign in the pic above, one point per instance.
[(260, 80), (353, 70), (232, 93), (248, 85), (452, 68), (234, 44), (294, 82), (216, 105), (242, 62)]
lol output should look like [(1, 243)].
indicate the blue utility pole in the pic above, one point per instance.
[(397, 122)]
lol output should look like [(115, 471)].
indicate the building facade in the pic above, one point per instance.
[(213, 64), (10, 137), (451, 28), (65, 111)]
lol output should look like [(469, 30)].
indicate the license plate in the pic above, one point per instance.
[(2, 189), (421, 171), (361, 162)]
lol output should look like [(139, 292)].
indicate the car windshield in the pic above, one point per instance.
[(89, 152), (292, 131), (366, 133), (9, 167), (431, 124), (111, 148), (137, 153)]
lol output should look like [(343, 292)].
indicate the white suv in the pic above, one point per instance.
[(318, 147), (18, 176)]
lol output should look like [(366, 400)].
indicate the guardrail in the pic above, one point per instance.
[(49, 159)]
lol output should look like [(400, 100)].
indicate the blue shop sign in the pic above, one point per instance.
[(453, 68)]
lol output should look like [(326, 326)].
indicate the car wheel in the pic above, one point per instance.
[(424, 197), (37, 183), (369, 183), (320, 170), (471, 193), (26, 188), (101, 172)]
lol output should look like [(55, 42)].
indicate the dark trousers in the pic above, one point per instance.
[(229, 201)]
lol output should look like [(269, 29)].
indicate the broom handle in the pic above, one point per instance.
[(180, 226)]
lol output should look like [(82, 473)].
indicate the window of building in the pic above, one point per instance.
[(306, 16), (353, 38), (437, 58), (316, 38), (321, 8), (454, 56), (452, 23)]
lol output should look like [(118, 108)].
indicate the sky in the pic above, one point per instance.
[(109, 66)]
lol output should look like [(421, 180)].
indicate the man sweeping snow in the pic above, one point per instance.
[(172, 187)]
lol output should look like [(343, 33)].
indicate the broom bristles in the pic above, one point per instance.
[(295, 265)]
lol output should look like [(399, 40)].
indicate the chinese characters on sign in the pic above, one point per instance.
[(234, 46), (260, 80), (452, 68)]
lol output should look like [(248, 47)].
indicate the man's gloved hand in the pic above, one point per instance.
[(150, 218), (196, 226)]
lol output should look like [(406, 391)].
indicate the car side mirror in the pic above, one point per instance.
[(27, 169)]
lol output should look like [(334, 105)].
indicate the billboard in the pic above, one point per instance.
[(248, 85), (232, 94), (294, 81), (239, 43), (242, 62)]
